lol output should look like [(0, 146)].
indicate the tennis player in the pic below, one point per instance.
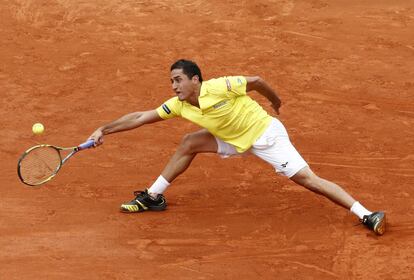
[(234, 124)]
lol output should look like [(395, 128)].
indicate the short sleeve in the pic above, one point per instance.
[(170, 109), (236, 85)]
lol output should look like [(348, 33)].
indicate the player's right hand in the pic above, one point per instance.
[(97, 137)]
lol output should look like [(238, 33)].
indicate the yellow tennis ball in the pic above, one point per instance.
[(38, 128)]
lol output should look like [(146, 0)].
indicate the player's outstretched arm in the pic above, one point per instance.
[(258, 84), (127, 122)]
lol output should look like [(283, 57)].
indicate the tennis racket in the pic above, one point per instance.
[(41, 163)]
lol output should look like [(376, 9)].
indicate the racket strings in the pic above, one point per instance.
[(39, 165)]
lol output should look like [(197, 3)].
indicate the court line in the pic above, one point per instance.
[(305, 35), (314, 267), (361, 167), (353, 157)]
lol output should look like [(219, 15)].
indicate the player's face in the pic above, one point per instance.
[(183, 86)]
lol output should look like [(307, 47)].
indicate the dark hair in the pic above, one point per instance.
[(190, 68)]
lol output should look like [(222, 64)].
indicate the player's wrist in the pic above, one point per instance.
[(103, 130), (276, 101)]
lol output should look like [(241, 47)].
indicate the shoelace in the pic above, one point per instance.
[(146, 195), (138, 193)]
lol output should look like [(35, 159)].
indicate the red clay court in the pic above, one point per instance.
[(344, 71)]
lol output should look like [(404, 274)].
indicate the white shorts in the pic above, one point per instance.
[(273, 147)]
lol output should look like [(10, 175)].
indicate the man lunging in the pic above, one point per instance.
[(233, 124)]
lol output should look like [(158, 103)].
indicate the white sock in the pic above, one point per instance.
[(359, 210), (159, 186)]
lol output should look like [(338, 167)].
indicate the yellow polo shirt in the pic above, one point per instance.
[(225, 111)]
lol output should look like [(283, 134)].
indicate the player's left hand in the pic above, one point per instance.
[(276, 106)]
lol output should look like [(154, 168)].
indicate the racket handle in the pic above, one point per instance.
[(86, 145)]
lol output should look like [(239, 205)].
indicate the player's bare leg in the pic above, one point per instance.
[(201, 141), (152, 199), (374, 221), (305, 177)]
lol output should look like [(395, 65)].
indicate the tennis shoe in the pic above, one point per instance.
[(144, 202), (375, 222)]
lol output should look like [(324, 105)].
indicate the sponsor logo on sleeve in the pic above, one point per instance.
[(166, 109), (220, 104), (228, 85)]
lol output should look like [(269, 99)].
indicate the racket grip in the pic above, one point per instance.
[(86, 145)]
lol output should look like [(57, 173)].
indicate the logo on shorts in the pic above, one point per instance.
[(285, 164), (166, 109)]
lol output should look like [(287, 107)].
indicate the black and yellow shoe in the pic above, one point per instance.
[(144, 202), (375, 222)]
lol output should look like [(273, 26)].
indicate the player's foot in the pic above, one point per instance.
[(375, 222), (143, 201)]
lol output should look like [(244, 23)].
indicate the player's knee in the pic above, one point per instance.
[(313, 183), (308, 180), (187, 145)]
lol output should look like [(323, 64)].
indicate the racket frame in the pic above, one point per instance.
[(86, 145)]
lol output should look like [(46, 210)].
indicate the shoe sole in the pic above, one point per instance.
[(380, 227), (143, 210)]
